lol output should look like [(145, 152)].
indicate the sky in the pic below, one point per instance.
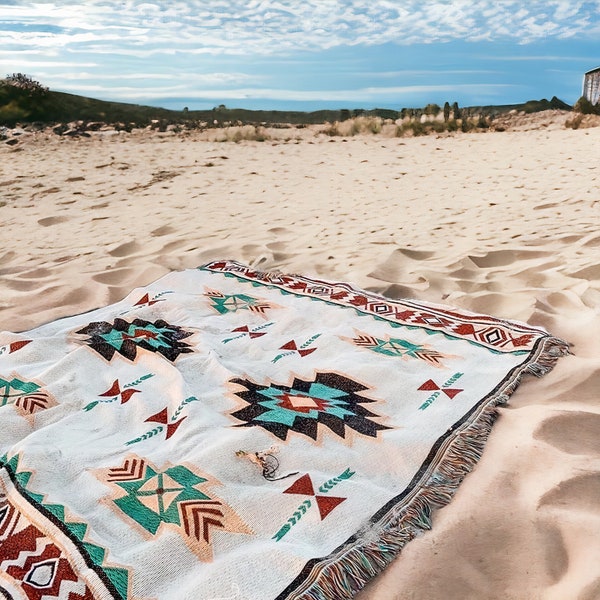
[(304, 54)]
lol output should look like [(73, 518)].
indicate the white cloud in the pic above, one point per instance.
[(370, 94), (280, 26), (140, 49)]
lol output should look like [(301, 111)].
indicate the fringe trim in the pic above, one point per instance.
[(344, 574)]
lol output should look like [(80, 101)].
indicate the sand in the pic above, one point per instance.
[(502, 223)]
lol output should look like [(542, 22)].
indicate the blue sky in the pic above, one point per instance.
[(304, 54)]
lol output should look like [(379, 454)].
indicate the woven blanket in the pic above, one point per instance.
[(227, 433)]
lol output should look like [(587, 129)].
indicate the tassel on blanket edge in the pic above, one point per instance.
[(343, 576)]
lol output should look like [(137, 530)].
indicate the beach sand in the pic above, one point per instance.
[(502, 223)]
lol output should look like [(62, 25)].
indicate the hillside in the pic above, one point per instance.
[(46, 107)]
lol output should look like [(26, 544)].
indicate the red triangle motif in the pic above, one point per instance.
[(114, 390), (305, 352), (451, 392), (243, 328), (143, 300), (289, 346), (172, 427), (14, 346), (253, 335), (338, 295), (327, 503), (301, 486), (465, 329), (429, 386), (126, 395), (218, 266), (159, 417), (359, 300)]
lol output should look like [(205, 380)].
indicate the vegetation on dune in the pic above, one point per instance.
[(585, 107), (26, 101)]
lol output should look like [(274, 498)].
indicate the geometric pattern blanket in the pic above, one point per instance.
[(229, 433)]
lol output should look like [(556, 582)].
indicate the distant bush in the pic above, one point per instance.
[(345, 114), (482, 123), (432, 109), (585, 107), (255, 133), (332, 129), (354, 126), (26, 83), (575, 122)]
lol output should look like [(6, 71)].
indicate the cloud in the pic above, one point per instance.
[(369, 94), (240, 27)]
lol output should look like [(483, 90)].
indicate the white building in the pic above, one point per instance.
[(591, 85)]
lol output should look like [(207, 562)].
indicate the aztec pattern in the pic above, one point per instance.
[(325, 504), (436, 390), (331, 400), (166, 423), (247, 331), (223, 423), (228, 303), (37, 543), (482, 330), (28, 397), (13, 347), (125, 338), (400, 348), (173, 497), (117, 393)]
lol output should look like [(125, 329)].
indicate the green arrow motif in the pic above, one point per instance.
[(147, 435), (301, 510)]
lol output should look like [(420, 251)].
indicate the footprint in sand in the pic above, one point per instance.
[(126, 249), (36, 273), (19, 285), (48, 221), (502, 258), (174, 245), (114, 276), (555, 550), (417, 254), (590, 273), (573, 432), (399, 268), (164, 230), (278, 250), (578, 493), (593, 242), (591, 591)]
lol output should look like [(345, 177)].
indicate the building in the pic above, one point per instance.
[(591, 85)]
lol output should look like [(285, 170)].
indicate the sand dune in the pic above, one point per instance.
[(502, 223)]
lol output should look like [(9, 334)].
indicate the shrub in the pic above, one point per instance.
[(332, 129), (432, 109), (26, 83), (585, 107), (446, 112), (575, 122)]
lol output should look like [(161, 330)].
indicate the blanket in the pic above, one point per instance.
[(230, 433)]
